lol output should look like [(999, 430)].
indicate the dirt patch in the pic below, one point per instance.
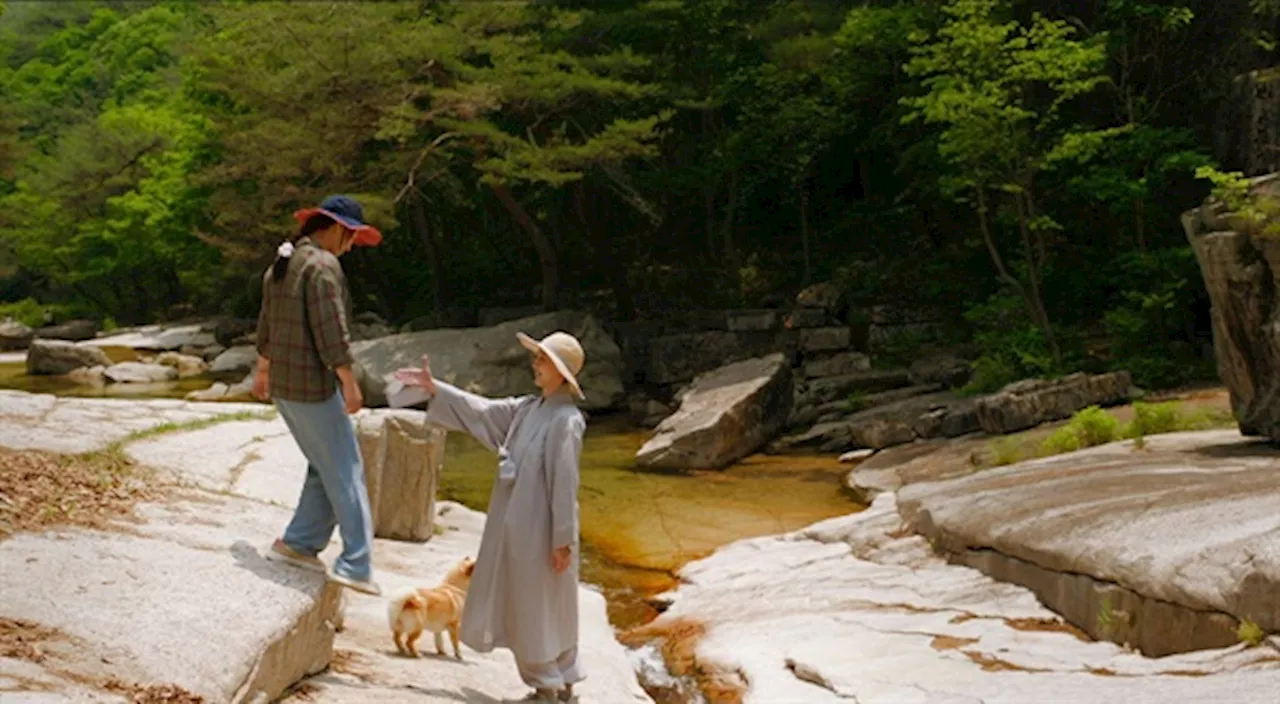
[(678, 643), (1046, 625), (993, 664), (42, 489), (21, 639), (950, 642), (302, 692), (344, 661), (153, 694), (1103, 672)]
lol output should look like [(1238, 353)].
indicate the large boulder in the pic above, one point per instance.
[(72, 330), (60, 357), (369, 326), (239, 392), (187, 365), (241, 358), (158, 337), (14, 335), (140, 373), (1241, 271), (227, 330), (490, 361), (1028, 403), (724, 416), (1166, 549), (681, 357)]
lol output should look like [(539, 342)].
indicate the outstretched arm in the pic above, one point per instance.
[(487, 420)]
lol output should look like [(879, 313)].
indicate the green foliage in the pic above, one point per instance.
[(1250, 633), (1006, 451), (1089, 427), (1151, 329), (28, 311), (1010, 347), (1252, 211), (699, 153), (997, 88), (1154, 419)]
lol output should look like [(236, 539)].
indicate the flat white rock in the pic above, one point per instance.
[(846, 610)]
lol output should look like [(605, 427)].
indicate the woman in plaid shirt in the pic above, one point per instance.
[(304, 353)]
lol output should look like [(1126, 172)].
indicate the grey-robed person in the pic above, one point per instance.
[(524, 591)]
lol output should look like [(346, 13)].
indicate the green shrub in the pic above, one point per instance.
[(1154, 418), (1011, 347), (1250, 633), (1095, 426), (1087, 428), (32, 313), (1005, 451), (1151, 331), (1064, 439), (1207, 419)]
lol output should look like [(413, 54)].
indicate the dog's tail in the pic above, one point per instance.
[(407, 598)]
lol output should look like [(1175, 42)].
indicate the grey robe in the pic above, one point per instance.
[(516, 600)]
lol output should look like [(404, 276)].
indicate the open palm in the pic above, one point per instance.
[(418, 377)]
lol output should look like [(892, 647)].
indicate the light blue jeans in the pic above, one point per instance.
[(334, 491)]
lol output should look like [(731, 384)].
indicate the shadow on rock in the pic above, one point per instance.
[(248, 557), (466, 694), (1260, 447)]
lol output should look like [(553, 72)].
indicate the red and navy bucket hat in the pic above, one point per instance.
[(344, 210)]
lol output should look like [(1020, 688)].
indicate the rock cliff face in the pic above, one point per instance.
[(1240, 263)]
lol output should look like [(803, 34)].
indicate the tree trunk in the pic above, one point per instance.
[(623, 297), (422, 223), (1139, 224), (1034, 253), (804, 234), (709, 196), (546, 252), (730, 219)]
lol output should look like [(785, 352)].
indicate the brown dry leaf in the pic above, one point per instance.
[(21, 639), (42, 489), (154, 694)]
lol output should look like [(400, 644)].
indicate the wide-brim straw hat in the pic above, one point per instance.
[(564, 351)]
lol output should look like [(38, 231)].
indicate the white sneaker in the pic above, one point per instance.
[(369, 587)]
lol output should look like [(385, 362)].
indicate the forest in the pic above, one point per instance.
[(1017, 168)]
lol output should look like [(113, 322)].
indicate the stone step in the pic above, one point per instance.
[(820, 391)]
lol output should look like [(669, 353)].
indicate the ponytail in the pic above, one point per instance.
[(284, 252), (281, 265)]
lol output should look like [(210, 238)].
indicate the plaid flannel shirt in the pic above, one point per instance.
[(302, 327)]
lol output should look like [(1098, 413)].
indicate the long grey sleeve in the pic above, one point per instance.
[(487, 420), (564, 453)]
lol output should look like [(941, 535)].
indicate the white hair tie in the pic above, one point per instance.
[(285, 250)]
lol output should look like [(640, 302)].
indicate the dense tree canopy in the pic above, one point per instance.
[(1014, 165)]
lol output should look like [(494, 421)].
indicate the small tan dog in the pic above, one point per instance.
[(411, 611)]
